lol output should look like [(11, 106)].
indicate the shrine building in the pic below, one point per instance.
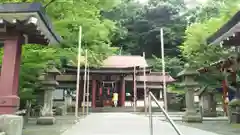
[(116, 74)]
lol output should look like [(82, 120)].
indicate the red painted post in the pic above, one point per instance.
[(9, 100), (224, 96), (100, 91), (122, 91), (94, 84), (80, 96)]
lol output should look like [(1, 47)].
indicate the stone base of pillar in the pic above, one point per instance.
[(11, 124), (192, 117), (209, 114), (46, 120), (61, 110), (9, 104), (233, 111)]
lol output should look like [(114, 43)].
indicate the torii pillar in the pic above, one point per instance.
[(37, 29), (123, 91), (9, 80)]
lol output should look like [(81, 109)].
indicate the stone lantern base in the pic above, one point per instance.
[(209, 113), (192, 117), (46, 120), (233, 111), (11, 125)]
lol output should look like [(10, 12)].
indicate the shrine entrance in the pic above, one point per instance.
[(105, 93), (104, 81)]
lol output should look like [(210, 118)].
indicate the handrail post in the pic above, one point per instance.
[(150, 114), (165, 113)]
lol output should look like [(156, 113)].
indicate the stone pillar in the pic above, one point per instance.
[(48, 102), (68, 102), (208, 105), (191, 114), (9, 100), (122, 91), (68, 98), (49, 84), (94, 88)]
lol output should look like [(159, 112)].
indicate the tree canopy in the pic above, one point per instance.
[(112, 25), (195, 49), (67, 16), (140, 26)]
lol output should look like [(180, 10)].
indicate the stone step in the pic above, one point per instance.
[(179, 118), (113, 109), (121, 109)]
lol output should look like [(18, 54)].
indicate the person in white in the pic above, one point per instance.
[(115, 99)]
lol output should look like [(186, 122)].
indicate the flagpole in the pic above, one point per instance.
[(85, 82), (144, 86), (163, 71), (78, 71), (87, 110)]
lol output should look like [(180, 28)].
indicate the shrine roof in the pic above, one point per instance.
[(106, 70), (219, 65), (124, 61), (117, 65), (227, 32), (204, 89), (30, 19)]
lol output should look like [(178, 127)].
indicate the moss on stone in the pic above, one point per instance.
[(234, 102), (189, 84), (53, 70)]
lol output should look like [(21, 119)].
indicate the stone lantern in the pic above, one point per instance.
[(49, 84), (191, 114)]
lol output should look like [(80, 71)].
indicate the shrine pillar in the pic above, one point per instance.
[(9, 100), (94, 88), (80, 93), (134, 96), (122, 100)]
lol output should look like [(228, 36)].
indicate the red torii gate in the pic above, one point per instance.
[(20, 23)]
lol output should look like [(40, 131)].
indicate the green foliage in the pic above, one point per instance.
[(34, 62), (143, 23), (172, 65), (67, 16), (175, 89), (195, 49)]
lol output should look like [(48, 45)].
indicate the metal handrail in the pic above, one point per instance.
[(150, 97)]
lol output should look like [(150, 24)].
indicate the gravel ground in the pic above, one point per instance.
[(62, 123), (219, 127)]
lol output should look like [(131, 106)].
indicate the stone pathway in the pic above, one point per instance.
[(126, 124)]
